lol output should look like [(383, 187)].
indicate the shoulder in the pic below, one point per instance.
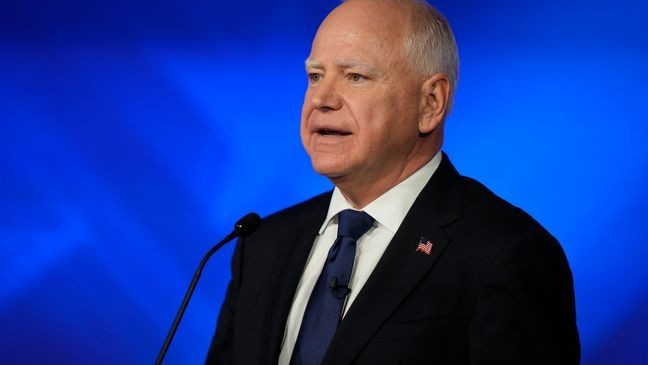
[(298, 212), (308, 214), (499, 230), (282, 231), (489, 212)]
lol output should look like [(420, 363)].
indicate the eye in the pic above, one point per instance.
[(356, 77), (314, 76)]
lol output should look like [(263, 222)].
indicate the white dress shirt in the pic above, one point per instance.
[(388, 210)]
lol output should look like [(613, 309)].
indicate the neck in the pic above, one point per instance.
[(361, 192)]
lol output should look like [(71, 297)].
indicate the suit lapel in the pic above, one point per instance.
[(401, 267), (289, 262)]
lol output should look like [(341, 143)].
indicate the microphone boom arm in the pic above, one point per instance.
[(242, 228)]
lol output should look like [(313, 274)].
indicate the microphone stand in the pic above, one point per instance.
[(243, 228)]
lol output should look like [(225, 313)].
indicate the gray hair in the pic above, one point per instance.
[(430, 44)]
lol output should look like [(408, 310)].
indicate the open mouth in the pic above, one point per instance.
[(332, 132)]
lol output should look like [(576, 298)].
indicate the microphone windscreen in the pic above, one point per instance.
[(248, 224)]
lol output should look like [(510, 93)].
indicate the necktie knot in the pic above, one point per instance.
[(353, 223)]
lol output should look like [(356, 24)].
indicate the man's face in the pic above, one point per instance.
[(361, 108)]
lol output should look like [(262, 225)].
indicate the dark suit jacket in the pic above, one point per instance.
[(495, 289)]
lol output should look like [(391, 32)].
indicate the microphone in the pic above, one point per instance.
[(338, 291), (243, 228)]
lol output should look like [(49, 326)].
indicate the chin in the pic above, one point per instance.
[(330, 170), (330, 173)]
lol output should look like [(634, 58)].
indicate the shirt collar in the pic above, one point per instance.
[(390, 208)]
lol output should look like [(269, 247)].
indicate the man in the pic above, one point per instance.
[(406, 261)]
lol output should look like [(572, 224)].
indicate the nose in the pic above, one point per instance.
[(325, 95)]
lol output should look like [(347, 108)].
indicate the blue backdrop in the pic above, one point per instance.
[(135, 133)]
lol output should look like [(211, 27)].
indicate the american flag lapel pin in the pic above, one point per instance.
[(424, 246)]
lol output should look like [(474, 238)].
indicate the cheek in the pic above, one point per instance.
[(364, 111), (374, 119), (303, 125), (306, 104), (387, 128)]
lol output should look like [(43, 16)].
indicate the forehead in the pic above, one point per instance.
[(359, 30)]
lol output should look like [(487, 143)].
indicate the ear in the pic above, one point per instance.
[(435, 94)]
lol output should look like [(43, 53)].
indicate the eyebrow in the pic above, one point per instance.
[(312, 64), (343, 64)]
